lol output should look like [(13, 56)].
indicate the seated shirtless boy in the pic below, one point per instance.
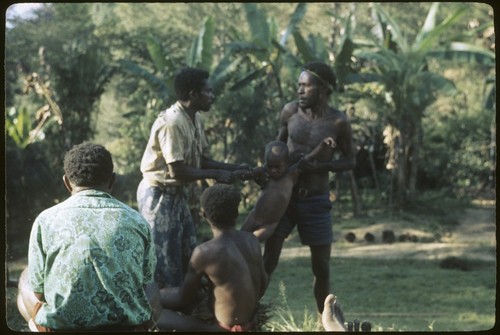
[(231, 261), (275, 195)]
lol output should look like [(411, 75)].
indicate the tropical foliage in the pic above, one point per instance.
[(416, 79)]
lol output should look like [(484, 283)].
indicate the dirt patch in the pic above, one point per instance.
[(473, 238)]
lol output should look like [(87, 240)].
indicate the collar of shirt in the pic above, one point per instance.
[(93, 193)]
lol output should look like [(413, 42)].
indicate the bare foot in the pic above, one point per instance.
[(332, 316)]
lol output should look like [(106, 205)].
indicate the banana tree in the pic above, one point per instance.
[(200, 55), (264, 51), (402, 68)]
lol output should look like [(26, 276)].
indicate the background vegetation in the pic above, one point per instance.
[(416, 79)]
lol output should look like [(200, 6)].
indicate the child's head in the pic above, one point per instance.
[(276, 159), (219, 204)]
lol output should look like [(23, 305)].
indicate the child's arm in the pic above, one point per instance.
[(308, 160), (327, 142)]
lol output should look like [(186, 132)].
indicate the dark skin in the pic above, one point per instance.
[(275, 196), (167, 319), (210, 169), (232, 262), (303, 125)]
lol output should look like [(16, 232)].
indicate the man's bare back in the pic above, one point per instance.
[(231, 260), (232, 263)]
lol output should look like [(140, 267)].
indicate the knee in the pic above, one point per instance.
[(26, 299)]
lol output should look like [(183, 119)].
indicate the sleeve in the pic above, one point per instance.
[(36, 258), (172, 142)]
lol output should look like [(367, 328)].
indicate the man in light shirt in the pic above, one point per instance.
[(175, 156)]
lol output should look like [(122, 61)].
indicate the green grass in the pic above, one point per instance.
[(394, 295)]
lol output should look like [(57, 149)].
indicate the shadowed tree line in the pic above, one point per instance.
[(416, 79)]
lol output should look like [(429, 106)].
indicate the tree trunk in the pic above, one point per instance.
[(356, 201), (414, 158), (400, 200)]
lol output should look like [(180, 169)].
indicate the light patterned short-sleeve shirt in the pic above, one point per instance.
[(91, 256), (174, 137)]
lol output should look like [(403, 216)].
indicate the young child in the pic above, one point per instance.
[(231, 261), (275, 195)]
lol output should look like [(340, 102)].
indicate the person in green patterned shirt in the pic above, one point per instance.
[(91, 258)]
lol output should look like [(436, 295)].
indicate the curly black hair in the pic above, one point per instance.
[(323, 73), (187, 80), (276, 148), (88, 164), (220, 203)]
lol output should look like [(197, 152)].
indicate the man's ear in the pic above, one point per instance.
[(67, 184)]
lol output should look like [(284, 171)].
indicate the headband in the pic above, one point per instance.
[(320, 79)]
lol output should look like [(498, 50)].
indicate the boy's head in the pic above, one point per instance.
[(88, 165), (219, 204), (276, 159)]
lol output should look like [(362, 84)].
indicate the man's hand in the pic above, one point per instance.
[(243, 174), (260, 176)]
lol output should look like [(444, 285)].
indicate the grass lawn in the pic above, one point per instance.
[(400, 293), (394, 295)]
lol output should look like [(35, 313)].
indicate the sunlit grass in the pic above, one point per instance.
[(394, 295), (284, 320)]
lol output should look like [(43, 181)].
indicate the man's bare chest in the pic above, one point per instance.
[(310, 132)]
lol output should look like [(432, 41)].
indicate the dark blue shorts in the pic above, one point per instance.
[(313, 218)]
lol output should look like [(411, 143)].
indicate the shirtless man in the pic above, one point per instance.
[(303, 125), (274, 198), (232, 262)]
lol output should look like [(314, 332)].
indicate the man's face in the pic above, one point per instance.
[(308, 91), (204, 99)]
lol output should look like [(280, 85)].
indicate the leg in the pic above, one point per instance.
[(332, 317), (272, 253), (26, 299), (320, 259), (168, 215)]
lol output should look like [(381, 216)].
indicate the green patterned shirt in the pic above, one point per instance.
[(91, 256)]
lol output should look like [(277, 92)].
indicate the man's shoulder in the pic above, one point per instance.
[(291, 107), (335, 114)]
